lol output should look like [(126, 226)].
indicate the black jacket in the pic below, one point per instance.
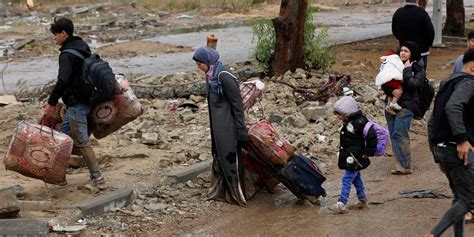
[(412, 23), (69, 73), (353, 143), (453, 114), (413, 78)]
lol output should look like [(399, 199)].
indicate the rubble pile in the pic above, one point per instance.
[(179, 126)]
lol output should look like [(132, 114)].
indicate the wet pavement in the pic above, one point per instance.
[(349, 24)]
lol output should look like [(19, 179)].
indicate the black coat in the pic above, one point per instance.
[(69, 74), (412, 23), (353, 143), (413, 78), (226, 115)]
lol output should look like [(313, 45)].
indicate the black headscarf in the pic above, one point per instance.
[(414, 50)]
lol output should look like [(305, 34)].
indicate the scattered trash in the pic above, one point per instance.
[(189, 104), (186, 17), (70, 228), (424, 193)]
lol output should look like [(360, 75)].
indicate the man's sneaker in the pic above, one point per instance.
[(100, 183), (395, 106), (93, 185), (339, 208), (361, 204)]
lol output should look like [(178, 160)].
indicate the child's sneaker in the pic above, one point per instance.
[(361, 204), (395, 106), (339, 208)]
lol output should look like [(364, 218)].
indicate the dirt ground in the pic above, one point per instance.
[(187, 211)]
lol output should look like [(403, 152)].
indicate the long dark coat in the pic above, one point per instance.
[(226, 115)]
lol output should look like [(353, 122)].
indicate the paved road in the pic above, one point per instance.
[(350, 24)]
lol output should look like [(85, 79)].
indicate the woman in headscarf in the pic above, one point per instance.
[(226, 115), (399, 123)]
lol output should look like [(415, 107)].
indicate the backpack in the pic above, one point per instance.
[(441, 130), (382, 136), (98, 80), (425, 94)]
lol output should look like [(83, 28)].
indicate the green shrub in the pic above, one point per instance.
[(315, 47), (264, 34), (316, 54)]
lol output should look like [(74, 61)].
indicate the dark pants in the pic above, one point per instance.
[(461, 182), (425, 60)]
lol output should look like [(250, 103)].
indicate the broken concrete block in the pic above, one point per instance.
[(313, 113), (150, 138), (8, 202), (23, 227)]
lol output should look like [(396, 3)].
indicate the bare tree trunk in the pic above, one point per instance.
[(455, 18), (289, 29)]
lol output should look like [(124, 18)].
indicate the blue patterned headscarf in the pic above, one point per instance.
[(210, 57)]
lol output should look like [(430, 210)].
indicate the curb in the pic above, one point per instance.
[(94, 207), (23, 227), (187, 173), (99, 205)]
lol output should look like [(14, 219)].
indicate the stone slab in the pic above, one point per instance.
[(23, 227), (101, 204), (187, 173), (8, 202)]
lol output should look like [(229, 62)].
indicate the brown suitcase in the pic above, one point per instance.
[(110, 116)]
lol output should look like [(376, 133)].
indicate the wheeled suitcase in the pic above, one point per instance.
[(300, 191), (304, 173)]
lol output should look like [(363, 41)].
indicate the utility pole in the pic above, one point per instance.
[(437, 22)]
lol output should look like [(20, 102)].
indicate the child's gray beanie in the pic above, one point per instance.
[(346, 106)]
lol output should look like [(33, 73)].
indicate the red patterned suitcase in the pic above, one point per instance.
[(39, 152), (266, 142), (110, 116), (250, 92)]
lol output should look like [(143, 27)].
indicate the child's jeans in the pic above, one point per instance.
[(349, 178)]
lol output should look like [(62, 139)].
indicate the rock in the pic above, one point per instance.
[(366, 93), (3, 10), (247, 73), (205, 156), (295, 121), (299, 74), (163, 14), (164, 163), (186, 115), (162, 145), (346, 62), (157, 206), (318, 129), (145, 126), (123, 142), (275, 119), (8, 202), (196, 99), (313, 113), (150, 138)]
